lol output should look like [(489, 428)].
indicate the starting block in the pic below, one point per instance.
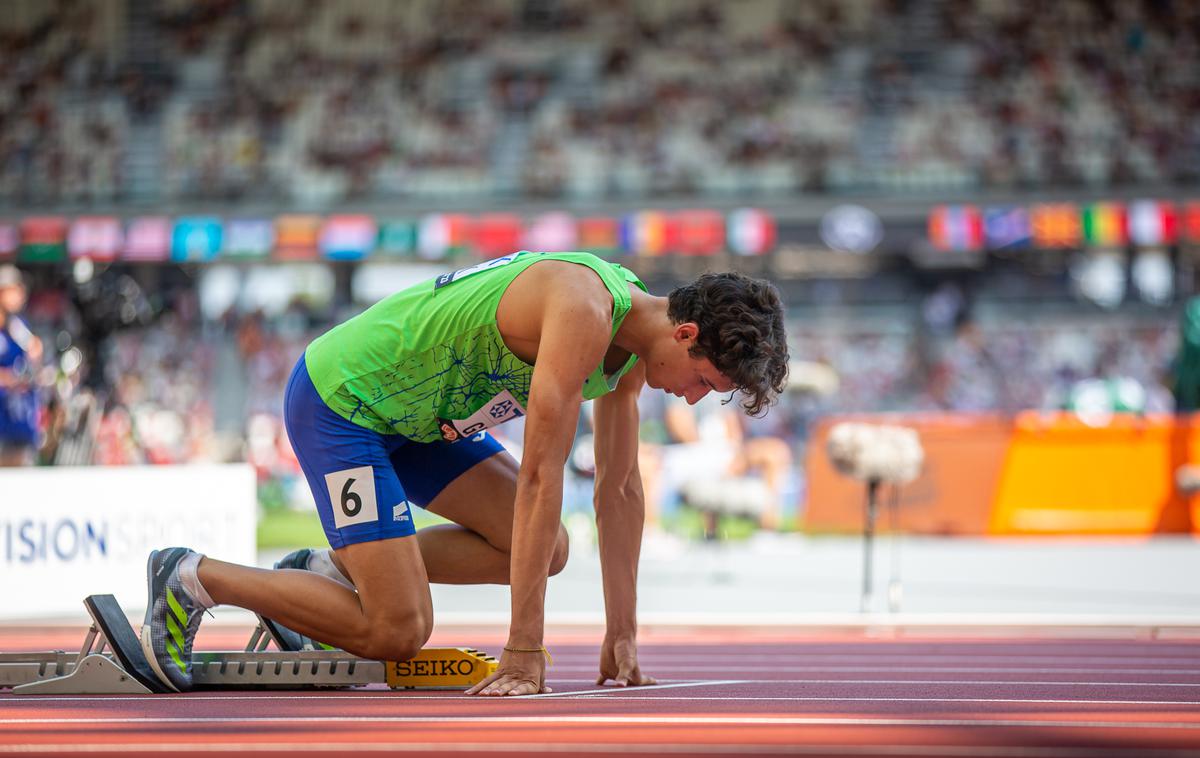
[(111, 662)]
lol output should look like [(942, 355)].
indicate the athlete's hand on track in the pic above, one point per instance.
[(618, 662), (517, 674)]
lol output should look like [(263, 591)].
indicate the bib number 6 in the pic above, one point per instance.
[(352, 496), (351, 502)]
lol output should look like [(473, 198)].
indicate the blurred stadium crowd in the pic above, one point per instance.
[(312, 101)]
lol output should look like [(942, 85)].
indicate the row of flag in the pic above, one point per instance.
[(1143, 223), (302, 237)]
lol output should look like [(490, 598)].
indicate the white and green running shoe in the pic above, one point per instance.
[(172, 619)]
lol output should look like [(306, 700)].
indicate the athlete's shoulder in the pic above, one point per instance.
[(554, 290), (556, 276)]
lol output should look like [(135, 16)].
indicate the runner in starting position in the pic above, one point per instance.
[(392, 407)]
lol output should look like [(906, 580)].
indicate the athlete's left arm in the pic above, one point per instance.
[(620, 517)]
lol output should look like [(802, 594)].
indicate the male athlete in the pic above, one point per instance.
[(391, 408)]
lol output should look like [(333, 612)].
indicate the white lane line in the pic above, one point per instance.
[(574, 748), (909, 669), (972, 681), (615, 690), (408, 695), (648, 692), (627, 720), (927, 656), (814, 699), (921, 657)]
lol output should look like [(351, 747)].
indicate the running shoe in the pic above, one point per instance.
[(172, 619), (285, 638)]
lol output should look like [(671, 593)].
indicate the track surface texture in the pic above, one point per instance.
[(720, 694)]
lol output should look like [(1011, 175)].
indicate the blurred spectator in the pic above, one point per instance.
[(63, 118), (1185, 368), (968, 376), (20, 360), (712, 464)]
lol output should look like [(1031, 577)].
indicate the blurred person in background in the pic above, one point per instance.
[(1185, 370), (20, 358), (715, 458)]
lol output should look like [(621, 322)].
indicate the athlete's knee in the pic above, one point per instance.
[(562, 548), (397, 638)]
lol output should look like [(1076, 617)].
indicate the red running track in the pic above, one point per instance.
[(777, 694)]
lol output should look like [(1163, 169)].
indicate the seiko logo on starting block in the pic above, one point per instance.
[(435, 668), (441, 667)]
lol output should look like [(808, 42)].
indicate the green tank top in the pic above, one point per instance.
[(428, 362)]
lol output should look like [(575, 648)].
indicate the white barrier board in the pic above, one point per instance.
[(67, 532)]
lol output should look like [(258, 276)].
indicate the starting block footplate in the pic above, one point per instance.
[(112, 662)]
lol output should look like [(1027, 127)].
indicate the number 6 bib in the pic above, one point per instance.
[(352, 493)]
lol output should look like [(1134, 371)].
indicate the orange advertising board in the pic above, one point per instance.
[(1032, 474)]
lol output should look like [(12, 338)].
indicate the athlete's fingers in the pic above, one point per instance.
[(481, 685), (634, 676), (488, 686), (506, 684), (516, 687), (628, 673), (498, 687), (524, 687)]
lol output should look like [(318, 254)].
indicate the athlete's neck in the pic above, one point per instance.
[(643, 324)]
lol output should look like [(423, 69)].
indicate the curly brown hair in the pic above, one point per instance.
[(741, 332)]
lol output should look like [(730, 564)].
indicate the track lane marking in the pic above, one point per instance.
[(966, 751), (909, 669), (448, 695), (903, 656), (883, 658), (784, 698), (668, 720), (615, 689)]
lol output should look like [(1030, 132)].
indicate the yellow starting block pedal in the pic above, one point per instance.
[(438, 667)]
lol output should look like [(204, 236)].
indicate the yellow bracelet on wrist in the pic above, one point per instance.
[(542, 650)]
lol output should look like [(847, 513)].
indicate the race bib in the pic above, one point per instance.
[(352, 493), (499, 409), (463, 273)]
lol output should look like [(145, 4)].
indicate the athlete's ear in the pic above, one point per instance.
[(686, 332)]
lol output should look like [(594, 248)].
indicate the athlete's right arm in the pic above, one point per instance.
[(575, 327)]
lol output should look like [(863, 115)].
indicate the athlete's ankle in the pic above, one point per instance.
[(189, 577)]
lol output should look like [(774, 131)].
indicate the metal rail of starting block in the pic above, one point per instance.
[(111, 662)]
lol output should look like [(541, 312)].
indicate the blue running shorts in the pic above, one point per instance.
[(364, 481)]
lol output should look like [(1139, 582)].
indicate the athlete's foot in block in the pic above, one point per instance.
[(172, 619)]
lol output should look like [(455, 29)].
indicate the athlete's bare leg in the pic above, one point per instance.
[(389, 618), (475, 548)]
